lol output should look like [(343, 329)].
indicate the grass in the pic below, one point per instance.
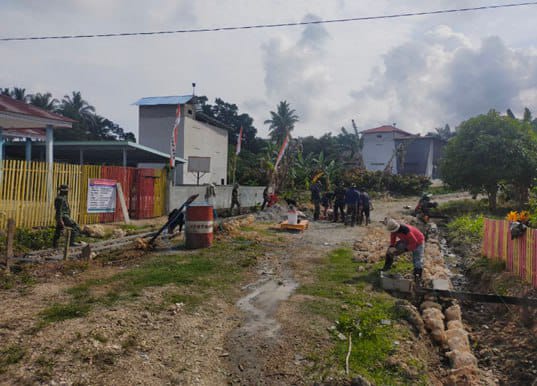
[(10, 356), (337, 283), (190, 278)]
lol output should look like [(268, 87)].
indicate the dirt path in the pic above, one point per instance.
[(267, 346)]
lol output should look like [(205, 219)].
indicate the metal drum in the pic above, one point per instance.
[(199, 226)]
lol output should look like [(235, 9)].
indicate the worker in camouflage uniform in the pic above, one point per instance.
[(235, 198), (63, 217)]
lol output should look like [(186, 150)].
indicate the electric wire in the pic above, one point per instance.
[(266, 26)]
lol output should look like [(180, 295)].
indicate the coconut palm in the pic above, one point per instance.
[(44, 101), (282, 122), (19, 94), (74, 106)]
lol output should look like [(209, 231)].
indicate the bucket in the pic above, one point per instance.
[(199, 226), (292, 217)]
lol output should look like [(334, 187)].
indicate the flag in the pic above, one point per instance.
[(282, 150), (175, 136), (239, 141)]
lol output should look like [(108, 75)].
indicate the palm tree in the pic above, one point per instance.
[(76, 107), (19, 94), (352, 144), (282, 122), (44, 101), (5, 91)]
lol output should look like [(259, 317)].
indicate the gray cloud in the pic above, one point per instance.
[(295, 71), (444, 78)]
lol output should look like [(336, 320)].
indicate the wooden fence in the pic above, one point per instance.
[(519, 255), (24, 195)]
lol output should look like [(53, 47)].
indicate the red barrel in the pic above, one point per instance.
[(199, 226)]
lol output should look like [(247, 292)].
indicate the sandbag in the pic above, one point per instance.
[(454, 313)]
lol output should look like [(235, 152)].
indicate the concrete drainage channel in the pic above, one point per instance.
[(442, 317)]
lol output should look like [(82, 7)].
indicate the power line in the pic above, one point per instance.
[(277, 25)]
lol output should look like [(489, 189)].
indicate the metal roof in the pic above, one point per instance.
[(164, 100), (96, 152)]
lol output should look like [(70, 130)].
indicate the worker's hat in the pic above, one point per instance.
[(392, 225)]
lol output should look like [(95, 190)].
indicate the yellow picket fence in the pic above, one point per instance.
[(25, 197)]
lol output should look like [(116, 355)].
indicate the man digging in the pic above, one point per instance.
[(410, 240)]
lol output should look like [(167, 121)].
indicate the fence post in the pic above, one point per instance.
[(10, 240), (67, 242)]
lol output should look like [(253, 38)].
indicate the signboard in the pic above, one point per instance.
[(199, 164), (101, 195)]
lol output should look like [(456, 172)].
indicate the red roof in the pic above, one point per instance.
[(10, 105), (386, 129)]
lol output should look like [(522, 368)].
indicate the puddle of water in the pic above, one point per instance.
[(261, 304)]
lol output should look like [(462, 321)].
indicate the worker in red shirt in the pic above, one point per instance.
[(411, 240)]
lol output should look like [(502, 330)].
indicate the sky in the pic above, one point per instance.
[(418, 72)]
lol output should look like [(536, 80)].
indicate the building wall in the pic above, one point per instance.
[(204, 140), (377, 151), (248, 195), (195, 139)]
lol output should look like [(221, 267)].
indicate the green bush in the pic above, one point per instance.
[(34, 238), (378, 181), (467, 228)]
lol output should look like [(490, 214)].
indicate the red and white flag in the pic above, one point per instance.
[(175, 136), (282, 151), (239, 141)]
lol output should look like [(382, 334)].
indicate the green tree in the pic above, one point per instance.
[(19, 94), (282, 122), (444, 133), (229, 114), (351, 145), (44, 101), (489, 149), (527, 115)]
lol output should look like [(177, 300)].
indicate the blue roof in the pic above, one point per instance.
[(164, 100)]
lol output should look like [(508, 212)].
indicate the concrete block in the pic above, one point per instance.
[(441, 284)]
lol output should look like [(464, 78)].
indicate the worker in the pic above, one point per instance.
[(423, 208), (265, 197), (235, 199), (63, 217), (365, 208), (352, 200), (339, 202), (316, 199), (414, 242), (326, 202), (210, 194)]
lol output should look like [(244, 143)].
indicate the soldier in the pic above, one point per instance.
[(316, 199), (266, 195), (365, 208), (63, 217), (352, 199), (235, 198), (339, 202)]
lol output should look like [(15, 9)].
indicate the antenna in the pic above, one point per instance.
[(193, 88)]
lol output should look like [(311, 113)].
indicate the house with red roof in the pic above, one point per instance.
[(388, 148)]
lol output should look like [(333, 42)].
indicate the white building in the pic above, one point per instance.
[(387, 148), (199, 136)]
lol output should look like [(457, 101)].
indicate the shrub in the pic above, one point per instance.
[(383, 182), (467, 228)]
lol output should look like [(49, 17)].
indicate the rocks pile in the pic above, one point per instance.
[(275, 213), (372, 248), (94, 230), (118, 233), (232, 227)]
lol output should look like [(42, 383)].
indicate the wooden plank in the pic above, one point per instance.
[(299, 227), (123, 203)]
